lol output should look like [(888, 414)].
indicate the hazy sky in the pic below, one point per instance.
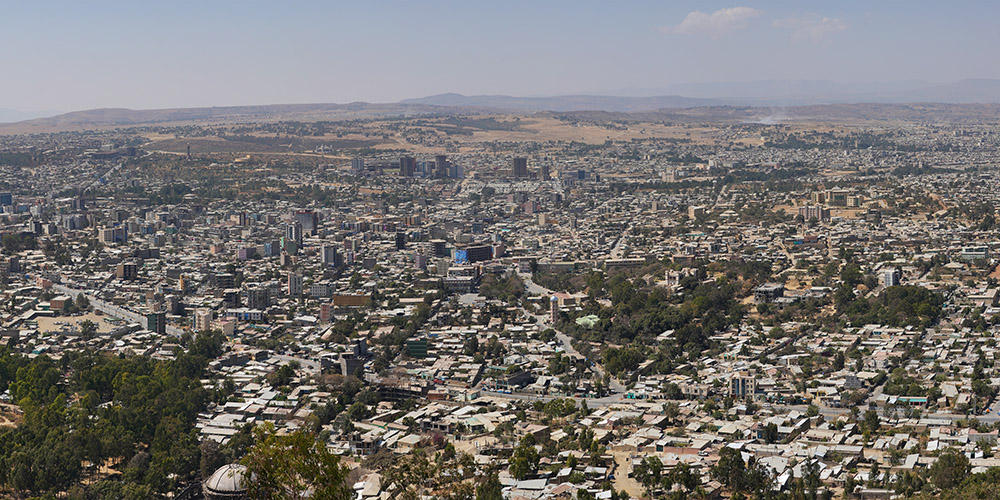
[(74, 55)]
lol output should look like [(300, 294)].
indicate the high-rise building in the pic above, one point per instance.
[(231, 297), (309, 221), (330, 256), (294, 285), (742, 384), (156, 322), (519, 167), (440, 248), (544, 171), (891, 277), (112, 235), (257, 298), (293, 233), (817, 212), (441, 166), (357, 166), (400, 240), (407, 166), (224, 280)]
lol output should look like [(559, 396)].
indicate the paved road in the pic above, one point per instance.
[(112, 309), (619, 246), (534, 288), (616, 387)]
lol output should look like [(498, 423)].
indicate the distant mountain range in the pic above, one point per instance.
[(774, 99), (759, 93), (117, 117), (565, 102), (123, 116)]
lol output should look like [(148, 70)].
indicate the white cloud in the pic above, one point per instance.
[(715, 24), (811, 28)]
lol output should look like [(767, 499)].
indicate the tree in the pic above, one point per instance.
[(88, 328), (293, 466), (741, 477), (671, 411), (729, 469), (649, 473), (838, 361), (282, 376), (82, 302), (211, 458), (812, 411), (951, 467), (491, 489), (811, 478), (770, 433), (871, 420), (524, 460)]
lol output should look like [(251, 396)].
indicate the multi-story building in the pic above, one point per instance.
[(203, 320), (294, 288), (441, 166), (357, 166), (325, 312), (742, 384), (293, 233), (768, 292), (127, 271), (407, 166), (479, 253), (156, 322), (257, 298), (309, 221), (817, 212), (519, 167), (891, 277), (330, 256)]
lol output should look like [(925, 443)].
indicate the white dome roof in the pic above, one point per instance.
[(227, 480)]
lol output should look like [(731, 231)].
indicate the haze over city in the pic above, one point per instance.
[(141, 55)]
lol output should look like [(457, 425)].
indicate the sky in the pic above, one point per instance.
[(72, 55)]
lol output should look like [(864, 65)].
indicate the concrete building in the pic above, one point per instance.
[(203, 320), (127, 271), (891, 277), (294, 285), (817, 212), (519, 167), (742, 384), (768, 292), (407, 166), (441, 166)]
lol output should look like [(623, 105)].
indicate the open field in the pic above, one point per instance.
[(65, 323)]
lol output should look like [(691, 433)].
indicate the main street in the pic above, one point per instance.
[(111, 309), (616, 387)]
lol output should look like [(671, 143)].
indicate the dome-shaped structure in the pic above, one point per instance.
[(229, 482)]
